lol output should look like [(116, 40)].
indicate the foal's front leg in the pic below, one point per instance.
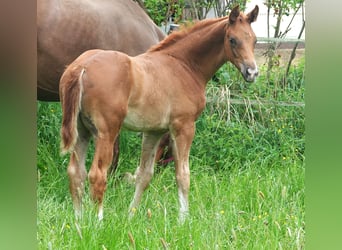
[(144, 172), (182, 135)]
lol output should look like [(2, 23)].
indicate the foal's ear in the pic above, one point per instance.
[(234, 14), (252, 16)]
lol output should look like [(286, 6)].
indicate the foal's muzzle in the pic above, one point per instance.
[(249, 72)]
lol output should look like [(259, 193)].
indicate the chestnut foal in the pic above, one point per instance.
[(159, 91)]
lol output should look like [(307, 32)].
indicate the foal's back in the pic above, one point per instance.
[(145, 92)]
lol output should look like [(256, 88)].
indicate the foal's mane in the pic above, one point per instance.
[(183, 32)]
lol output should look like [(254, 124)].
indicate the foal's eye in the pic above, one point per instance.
[(233, 41)]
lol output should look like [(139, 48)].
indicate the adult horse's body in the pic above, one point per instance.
[(67, 28), (161, 90)]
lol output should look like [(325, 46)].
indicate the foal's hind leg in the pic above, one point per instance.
[(145, 171), (98, 171), (76, 169)]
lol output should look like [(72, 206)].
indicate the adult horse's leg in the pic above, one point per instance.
[(76, 169), (182, 135), (99, 168), (144, 172), (164, 151)]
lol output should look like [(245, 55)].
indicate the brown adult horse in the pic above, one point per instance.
[(67, 28), (161, 90)]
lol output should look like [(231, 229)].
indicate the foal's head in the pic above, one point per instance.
[(240, 41)]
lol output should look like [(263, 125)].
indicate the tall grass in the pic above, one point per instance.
[(247, 179)]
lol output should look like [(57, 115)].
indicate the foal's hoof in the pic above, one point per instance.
[(100, 215), (131, 212), (78, 215), (183, 217)]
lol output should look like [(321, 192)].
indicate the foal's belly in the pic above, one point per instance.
[(144, 121)]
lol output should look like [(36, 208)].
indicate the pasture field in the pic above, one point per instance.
[(247, 178)]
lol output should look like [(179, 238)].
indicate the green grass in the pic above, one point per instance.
[(257, 208), (247, 181)]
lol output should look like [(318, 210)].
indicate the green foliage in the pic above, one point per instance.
[(161, 10), (283, 7), (247, 178)]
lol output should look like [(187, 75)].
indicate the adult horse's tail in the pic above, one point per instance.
[(70, 95)]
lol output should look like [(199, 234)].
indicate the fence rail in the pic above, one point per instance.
[(280, 40), (256, 102)]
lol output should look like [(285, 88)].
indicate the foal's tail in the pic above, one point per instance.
[(70, 92)]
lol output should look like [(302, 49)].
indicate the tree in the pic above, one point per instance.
[(280, 9)]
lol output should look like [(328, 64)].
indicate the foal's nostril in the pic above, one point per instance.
[(251, 71)]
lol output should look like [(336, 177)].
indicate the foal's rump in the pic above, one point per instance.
[(89, 86)]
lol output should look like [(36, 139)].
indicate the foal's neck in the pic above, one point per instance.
[(203, 50)]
